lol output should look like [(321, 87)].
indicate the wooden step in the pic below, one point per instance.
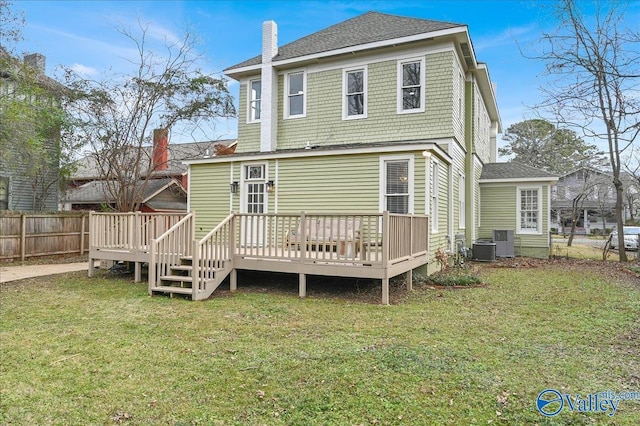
[(182, 268), (176, 278), (171, 289)]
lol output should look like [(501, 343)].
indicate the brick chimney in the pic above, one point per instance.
[(36, 61), (160, 149)]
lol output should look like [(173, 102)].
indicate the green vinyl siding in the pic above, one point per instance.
[(438, 240), (248, 133), (209, 194), (340, 184), (499, 211), (323, 124), (329, 184)]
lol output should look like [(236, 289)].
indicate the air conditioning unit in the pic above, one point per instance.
[(504, 243)]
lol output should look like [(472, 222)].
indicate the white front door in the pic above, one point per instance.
[(254, 202)]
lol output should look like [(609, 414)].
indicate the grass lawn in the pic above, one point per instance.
[(83, 351)]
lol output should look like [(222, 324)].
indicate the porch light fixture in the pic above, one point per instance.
[(271, 186), (234, 187)]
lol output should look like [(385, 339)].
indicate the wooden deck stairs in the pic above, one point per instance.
[(179, 279)]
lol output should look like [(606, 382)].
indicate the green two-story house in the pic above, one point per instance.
[(379, 113)]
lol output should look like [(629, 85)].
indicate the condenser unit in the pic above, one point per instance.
[(504, 243)]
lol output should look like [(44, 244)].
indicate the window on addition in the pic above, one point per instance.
[(255, 100), (355, 93)]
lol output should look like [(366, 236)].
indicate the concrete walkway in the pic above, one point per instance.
[(13, 273)]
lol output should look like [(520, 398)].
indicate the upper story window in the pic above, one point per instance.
[(355, 93), (411, 86), (295, 89), (255, 100)]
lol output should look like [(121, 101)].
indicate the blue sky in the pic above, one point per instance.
[(81, 34)]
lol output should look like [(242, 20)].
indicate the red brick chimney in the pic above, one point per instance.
[(160, 149)]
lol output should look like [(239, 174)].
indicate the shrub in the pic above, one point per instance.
[(462, 276)]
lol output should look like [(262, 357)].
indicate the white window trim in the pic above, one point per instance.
[(250, 119), (519, 230), (435, 195), (287, 115), (244, 180), (345, 103), (462, 202), (399, 85), (383, 180)]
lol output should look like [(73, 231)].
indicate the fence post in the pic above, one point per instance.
[(23, 236), (82, 234)]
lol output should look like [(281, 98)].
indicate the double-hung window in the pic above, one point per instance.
[(435, 189), (462, 194), (295, 94), (255, 100), (529, 210), (355, 93), (4, 193), (395, 184), (411, 86)]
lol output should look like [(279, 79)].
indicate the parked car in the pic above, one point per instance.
[(631, 235)]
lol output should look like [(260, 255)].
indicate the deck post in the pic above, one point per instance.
[(233, 280), (409, 279), (195, 269), (385, 239), (385, 291), (152, 265), (138, 272), (303, 237), (303, 285)]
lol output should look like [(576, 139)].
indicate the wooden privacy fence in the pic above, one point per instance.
[(24, 235)]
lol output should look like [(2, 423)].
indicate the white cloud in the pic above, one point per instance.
[(84, 70)]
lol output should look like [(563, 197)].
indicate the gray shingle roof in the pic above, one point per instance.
[(96, 192), (87, 168), (370, 27), (513, 170)]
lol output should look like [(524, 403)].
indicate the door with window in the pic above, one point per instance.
[(254, 202)]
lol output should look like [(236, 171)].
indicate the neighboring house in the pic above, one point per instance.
[(22, 188), (160, 195), (376, 113), (166, 190), (516, 197), (595, 197)]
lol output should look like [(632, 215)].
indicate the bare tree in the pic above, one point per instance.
[(596, 65), (117, 114)]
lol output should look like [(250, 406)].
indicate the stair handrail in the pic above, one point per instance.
[(199, 273), (154, 277)]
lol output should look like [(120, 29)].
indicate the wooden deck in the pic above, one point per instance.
[(126, 236), (378, 246)]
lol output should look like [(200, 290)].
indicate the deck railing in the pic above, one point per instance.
[(170, 247), (128, 231), (378, 240), (371, 239), (213, 252)]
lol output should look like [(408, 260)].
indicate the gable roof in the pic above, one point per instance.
[(514, 171), (370, 27), (97, 192)]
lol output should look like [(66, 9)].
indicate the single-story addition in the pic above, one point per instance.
[(517, 197)]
